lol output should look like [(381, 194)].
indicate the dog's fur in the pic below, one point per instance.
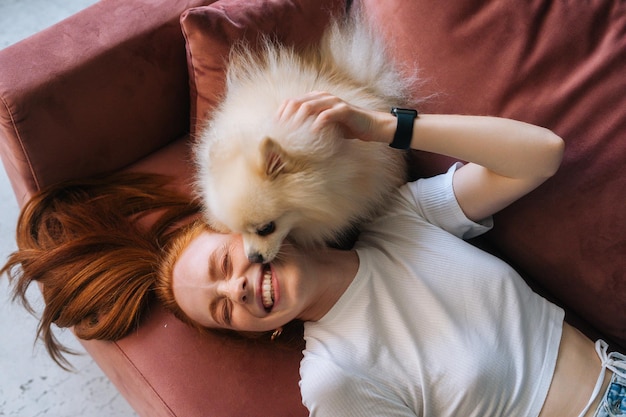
[(268, 181)]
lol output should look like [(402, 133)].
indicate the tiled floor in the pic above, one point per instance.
[(31, 385)]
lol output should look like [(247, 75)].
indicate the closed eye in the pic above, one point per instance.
[(227, 307), (221, 311), (226, 263), (266, 229)]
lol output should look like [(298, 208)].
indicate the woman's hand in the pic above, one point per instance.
[(327, 110)]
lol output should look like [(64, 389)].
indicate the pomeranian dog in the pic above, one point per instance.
[(268, 181)]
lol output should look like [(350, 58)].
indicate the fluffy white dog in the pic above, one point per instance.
[(268, 181)]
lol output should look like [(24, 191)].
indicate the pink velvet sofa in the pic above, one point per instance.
[(123, 84)]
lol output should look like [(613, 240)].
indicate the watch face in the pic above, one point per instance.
[(410, 112)]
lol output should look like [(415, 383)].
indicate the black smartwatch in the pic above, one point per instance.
[(404, 130)]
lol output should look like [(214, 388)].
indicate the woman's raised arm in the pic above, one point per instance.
[(507, 158)]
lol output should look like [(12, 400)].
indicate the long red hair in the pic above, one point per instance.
[(95, 249)]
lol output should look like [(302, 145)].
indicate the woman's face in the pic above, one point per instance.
[(216, 285)]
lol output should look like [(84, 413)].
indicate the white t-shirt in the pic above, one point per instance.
[(431, 326)]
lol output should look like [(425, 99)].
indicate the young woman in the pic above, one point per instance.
[(412, 320)]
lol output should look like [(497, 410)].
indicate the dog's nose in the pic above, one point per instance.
[(256, 258)]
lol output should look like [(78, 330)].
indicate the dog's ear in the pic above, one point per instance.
[(274, 158)]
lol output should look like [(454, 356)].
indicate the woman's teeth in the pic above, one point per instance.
[(268, 289)]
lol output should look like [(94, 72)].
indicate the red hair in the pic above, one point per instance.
[(89, 246)]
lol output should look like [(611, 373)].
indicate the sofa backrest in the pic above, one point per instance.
[(66, 109)]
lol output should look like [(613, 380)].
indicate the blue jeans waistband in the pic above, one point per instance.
[(613, 403)]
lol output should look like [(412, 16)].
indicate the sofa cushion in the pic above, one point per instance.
[(554, 65), (211, 30)]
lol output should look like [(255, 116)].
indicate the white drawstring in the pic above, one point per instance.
[(614, 361)]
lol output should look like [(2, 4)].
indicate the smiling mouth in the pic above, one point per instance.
[(268, 289)]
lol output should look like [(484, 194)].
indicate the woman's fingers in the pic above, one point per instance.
[(325, 110), (309, 105)]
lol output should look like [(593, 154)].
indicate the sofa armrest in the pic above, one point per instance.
[(123, 59)]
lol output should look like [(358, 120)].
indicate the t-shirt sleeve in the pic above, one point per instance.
[(434, 198)]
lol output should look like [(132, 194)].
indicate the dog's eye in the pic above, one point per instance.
[(266, 229)]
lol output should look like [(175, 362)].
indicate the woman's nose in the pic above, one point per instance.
[(236, 289)]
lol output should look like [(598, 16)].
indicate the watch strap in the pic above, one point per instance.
[(404, 129)]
